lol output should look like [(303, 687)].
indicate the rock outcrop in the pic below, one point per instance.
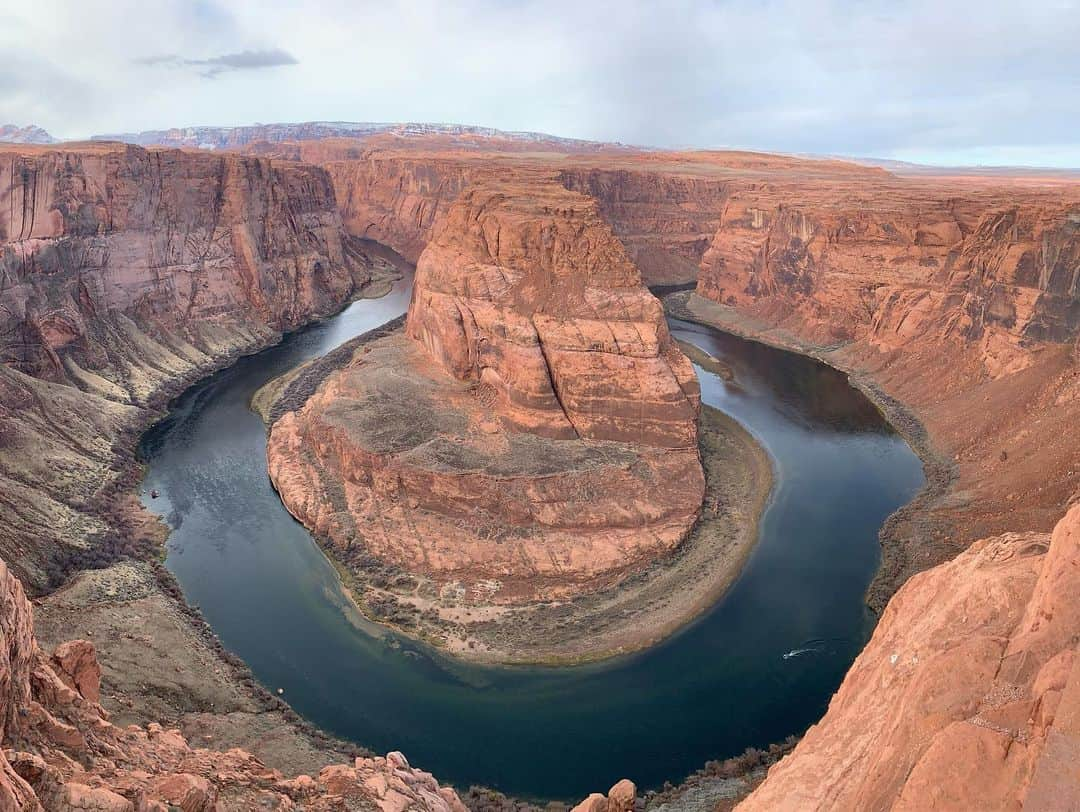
[(966, 697), (123, 273), (62, 753), (958, 297), (526, 292), (620, 798), (533, 435)]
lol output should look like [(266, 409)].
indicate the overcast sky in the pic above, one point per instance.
[(964, 82)]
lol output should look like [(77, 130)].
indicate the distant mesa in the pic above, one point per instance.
[(461, 135), (30, 134)]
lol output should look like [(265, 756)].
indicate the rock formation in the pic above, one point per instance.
[(123, 273), (61, 753), (526, 292), (534, 433), (967, 697), (959, 298), (620, 798)]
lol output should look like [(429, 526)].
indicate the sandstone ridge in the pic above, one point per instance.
[(979, 655)]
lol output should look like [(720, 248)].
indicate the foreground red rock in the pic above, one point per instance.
[(967, 697), (552, 444), (62, 754)]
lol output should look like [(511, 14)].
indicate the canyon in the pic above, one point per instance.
[(533, 433), (125, 273), (953, 301)]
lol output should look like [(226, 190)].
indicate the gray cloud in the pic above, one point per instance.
[(241, 60), (963, 81), (160, 59)]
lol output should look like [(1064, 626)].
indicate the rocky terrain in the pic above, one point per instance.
[(967, 697), (531, 436), (125, 273), (954, 301), (62, 752), (962, 303)]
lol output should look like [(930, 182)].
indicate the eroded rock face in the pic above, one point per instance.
[(526, 292), (396, 200), (967, 697), (123, 273), (958, 297), (62, 753), (534, 433), (991, 270), (97, 236)]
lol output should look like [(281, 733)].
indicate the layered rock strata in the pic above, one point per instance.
[(123, 273), (960, 299), (531, 435)]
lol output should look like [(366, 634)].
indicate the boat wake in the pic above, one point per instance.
[(810, 647)]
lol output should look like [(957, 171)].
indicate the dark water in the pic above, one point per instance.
[(757, 667)]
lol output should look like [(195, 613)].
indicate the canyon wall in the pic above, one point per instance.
[(664, 207), (967, 697), (61, 753), (395, 196), (393, 200), (958, 298), (123, 274), (665, 220)]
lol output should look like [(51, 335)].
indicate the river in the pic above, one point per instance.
[(758, 666)]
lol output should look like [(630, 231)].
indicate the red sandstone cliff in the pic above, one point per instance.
[(960, 299), (967, 697), (526, 291), (123, 273), (167, 238)]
